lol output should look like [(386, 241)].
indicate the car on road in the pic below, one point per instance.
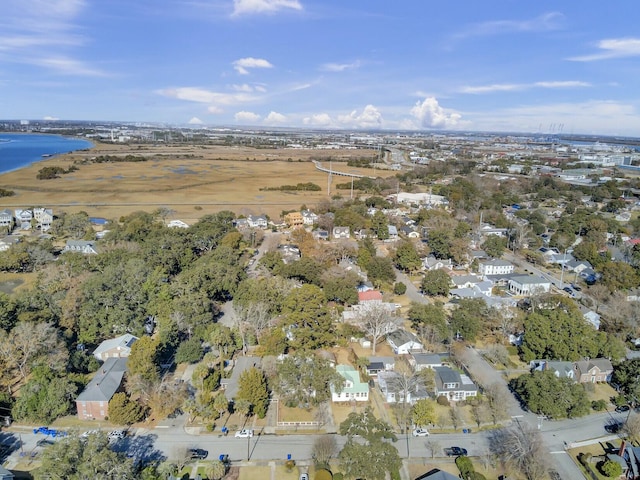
[(455, 451), (420, 432), (116, 435), (304, 476), (568, 290), (197, 453), (622, 408), (613, 427), (576, 287), (244, 433)]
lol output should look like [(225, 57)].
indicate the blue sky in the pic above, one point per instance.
[(485, 65)]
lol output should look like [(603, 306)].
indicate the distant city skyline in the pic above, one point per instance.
[(494, 66)]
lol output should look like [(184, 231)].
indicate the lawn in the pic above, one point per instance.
[(294, 414), (281, 473)]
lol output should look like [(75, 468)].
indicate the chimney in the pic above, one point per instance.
[(623, 447)]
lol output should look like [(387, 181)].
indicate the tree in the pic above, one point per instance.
[(189, 351), (494, 246), (406, 257), (221, 404), (376, 320), (303, 380), (216, 470), (611, 469), (495, 394), (122, 411), (380, 225), (143, 359), (522, 447), (45, 397), (77, 458), (252, 387), (308, 318), (619, 276), (380, 270), (430, 321), (323, 450), (436, 283), (374, 458), (470, 318), (423, 412)]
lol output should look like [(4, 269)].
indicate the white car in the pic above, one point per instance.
[(244, 433), (420, 432), (116, 435)]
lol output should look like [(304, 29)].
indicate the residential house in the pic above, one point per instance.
[(7, 242), (380, 364), (465, 281), (370, 296), (93, 402), (294, 219), (403, 342), (177, 224), (341, 232), (491, 230), (590, 316), (6, 219), (119, 347), (453, 384), (559, 368), (354, 389), (421, 361), (577, 266), (393, 232), (409, 232), (320, 234), (43, 217), (87, 247), (631, 457), (308, 217), (528, 285), (259, 221), (437, 474), (396, 389), (597, 370), (432, 263), (495, 266), (290, 253), (241, 223), (23, 219), (230, 385)]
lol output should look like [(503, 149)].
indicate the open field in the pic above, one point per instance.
[(191, 180)]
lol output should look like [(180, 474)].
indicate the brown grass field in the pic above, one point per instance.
[(180, 177)]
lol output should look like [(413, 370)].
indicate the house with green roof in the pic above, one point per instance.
[(354, 389)]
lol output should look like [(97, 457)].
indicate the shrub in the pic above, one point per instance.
[(399, 288), (338, 476), (289, 464), (465, 466), (322, 474), (442, 400), (599, 405), (395, 475), (611, 469)]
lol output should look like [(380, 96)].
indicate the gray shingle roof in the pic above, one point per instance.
[(105, 382)]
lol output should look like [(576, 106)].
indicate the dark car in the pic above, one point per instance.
[(567, 289), (455, 451), (576, 287), (622, 408), (198, 453), (613, 427)]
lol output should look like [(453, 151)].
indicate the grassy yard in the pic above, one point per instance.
[(289, 414)]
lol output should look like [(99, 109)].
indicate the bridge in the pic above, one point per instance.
[(331, 171)]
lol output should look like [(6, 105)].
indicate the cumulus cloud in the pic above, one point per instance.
[(241, 7), (243, 64), (430, 114), (318, 120), (246, 117), (201, 95), (612, 48), (369, 118), (215, 110), (275, 118), (195, 121)]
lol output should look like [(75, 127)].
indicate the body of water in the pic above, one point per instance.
[(18, 150)]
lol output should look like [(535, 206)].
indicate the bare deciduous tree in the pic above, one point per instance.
[(377, 320), (433, 446), (324, 449), (521, 446), (455, 417), (495, 395)]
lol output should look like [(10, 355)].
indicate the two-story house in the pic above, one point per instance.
[(259, 221), (23, 218), (43, 217), (6, 219), (495, 266), (596, 370), (354, 389), (453, 385), (294, 219)]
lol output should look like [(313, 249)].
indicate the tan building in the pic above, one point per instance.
[(294, 219)]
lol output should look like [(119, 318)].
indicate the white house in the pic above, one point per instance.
[(354, 389), (259, 221), (341, 232), (528, 285), (453, 385), (403, 342), (433, 263), (420, 361), (86, 247), (44, 218), (395, 388), (119, 347), (308, 217), (23, 219), (495, 266)]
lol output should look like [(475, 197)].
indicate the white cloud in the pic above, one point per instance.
[(613, 48), (50, 118), (241, 65), (339, 67), (545, 22), (509, 87), (241, 7), (195, 121), (215, 110), (369, 118), (246, 117), (245, 87), (67, 66), (275, 118), (318, 120), (200, 95), (430, 114)]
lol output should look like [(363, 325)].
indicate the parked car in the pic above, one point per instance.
[(455, 451), (198, 453), (244, 433), (613, 427), (304, 476), (116, 435), (622, 408), (420, 432)]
